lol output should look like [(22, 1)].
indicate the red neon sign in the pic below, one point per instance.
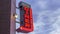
[(28, 26)]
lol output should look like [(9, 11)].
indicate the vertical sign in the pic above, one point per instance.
[(26, 20)]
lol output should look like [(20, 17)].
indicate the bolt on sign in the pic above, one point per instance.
[(26, 19)]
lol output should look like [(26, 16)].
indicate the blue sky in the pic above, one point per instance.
[(46, 16)]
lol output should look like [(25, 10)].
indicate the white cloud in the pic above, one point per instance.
[(53, 21), (56, 28), (56, 25)]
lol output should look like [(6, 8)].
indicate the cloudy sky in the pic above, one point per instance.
[(46, 16)]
